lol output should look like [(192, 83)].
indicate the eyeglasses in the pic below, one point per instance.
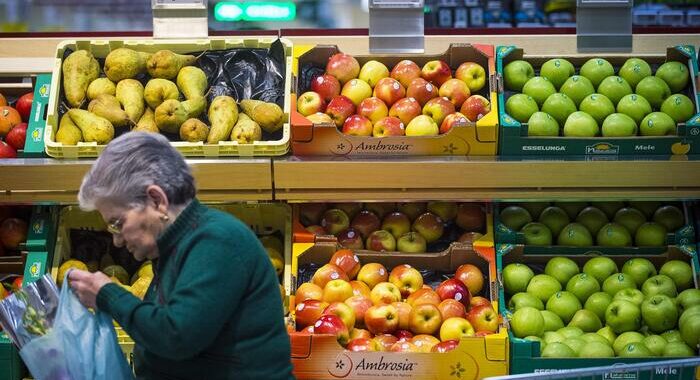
[(115, 227)]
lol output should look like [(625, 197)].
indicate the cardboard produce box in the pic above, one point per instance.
[(480, 138)]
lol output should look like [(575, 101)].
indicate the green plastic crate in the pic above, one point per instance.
[(11, 365)]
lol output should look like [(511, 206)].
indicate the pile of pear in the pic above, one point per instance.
[(172, 101)]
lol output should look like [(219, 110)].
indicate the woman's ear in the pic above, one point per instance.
[(157, 196)]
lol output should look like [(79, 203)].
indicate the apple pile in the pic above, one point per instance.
[(602, 311), (407, 227), (596, 102), (13, 229), (369, 308), (13, 124), (608, 224), (408, 100)]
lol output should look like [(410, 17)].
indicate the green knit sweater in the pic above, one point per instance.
[(213, 310)]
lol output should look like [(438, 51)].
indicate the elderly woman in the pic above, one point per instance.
[(213, 309)]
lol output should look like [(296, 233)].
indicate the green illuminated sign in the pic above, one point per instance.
[(255, 11)]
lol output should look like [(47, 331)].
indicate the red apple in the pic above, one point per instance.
[(380, 208), (359, 288), (308, 291), (405, 71), (339, 109), (438, 109), (359, 306), (453, 120), (343, 66), (455, 91), (478, 301), (430, 226), (17, 136), (337, 291), (7, 151), (455, 328), (373, 109), (335, 221), (382, 319), (425, 342), (310, 103), (388, 126), (385, 293), (327, 273), (404, 310), (351, 239), (360, 333), (320, 118), (389, 90), (472, 74), (397, 223), (381, 240), (437, 72), (357, 125), (423, 295), (403, 335), (475, 107), (469, 237), (455, 289), (445, 346), (424, 319), (421, 90), (332, 324), (372, 274), (412, 209), (470, 217), (483, 318), (471, 276), (385, 341), (343, 311), (346, 260), (327, 86), (452, 308), (406, 278), (23, 105), (362, 345), (404, 346), (366, 222), (311, 213), (406, 109), (13, 232), (307, 312), (356, 90)]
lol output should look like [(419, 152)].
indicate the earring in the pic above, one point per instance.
[(164, 217)]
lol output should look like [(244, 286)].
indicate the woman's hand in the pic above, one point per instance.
[(86, 285)]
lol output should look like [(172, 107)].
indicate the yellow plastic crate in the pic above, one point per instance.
[(100, 49)]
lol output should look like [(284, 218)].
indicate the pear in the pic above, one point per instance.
[(170, 115), (124, 63), (157, 90), (193, 130), (147, 123), (108, 107), (101, 86), (166, 64), (223, 115), (269, 115), (94, 128), (192, 82), (195, 106), (68, 133), (79, 70), (130, 95), (246, 131)]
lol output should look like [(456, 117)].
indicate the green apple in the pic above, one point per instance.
[(596, 350), (516, 74), (600, 268), (542, 124), (524, 299), (570, 332), (595, 337), (639, 270), (598, 106), (654, 90), (655, 344), (659, 313), (577, 87), (586, 320), (623, 316), (670, 217), (618, 125), (564, 304), (613, 235), (597, 69), (536, 234), (616, 282), (575, 234), (575, 344), (650, 235), (539, 88), (630, 294), (675, 74), (690, 330), (680, 272), (558, 350), (687, 299), (515, 217), (559, 106), (657, 124), (552, 337), (609, 207), (598, 303), (580, 124), (635, 350), (557, 70), (677, 349), (521, 107), (607, 333), (572, 208), (614, 88), (372, 71), (582, 286), (659, 284), (561, 268), (535, 208), (552, 322), (527, 321), (634, 70), (592, 218), (626, 338), (692, 312), (679, 107), (646, 207), (516, 277), (634, 106), (554, 218), (672, 336), (543, 287), (630, 218)]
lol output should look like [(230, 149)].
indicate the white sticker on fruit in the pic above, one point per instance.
[(351, 234), (381, 271), (300, 307), (318, 323), (429, 87), (412, 100), (335, 275), (353, 82), (401, 126), (357, 259), (458, 296), (396, 85)]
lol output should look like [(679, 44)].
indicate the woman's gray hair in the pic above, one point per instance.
[(131, 163)]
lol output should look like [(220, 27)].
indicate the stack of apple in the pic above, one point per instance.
[(369, 308), (407, 227), (408, 100), (603, 311), (13, 229), (612, 224), (596, 102), (13, 124)]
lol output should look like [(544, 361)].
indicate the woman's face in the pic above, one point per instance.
[(136, 228)]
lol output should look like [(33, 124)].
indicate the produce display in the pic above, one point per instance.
[(13, 229), (369, 307), (406, 99), (599, 99), (602, 310), (13, 124), (405, 227)]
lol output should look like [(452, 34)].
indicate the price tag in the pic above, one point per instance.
[(604, 3), (396, 3), (178, 4)]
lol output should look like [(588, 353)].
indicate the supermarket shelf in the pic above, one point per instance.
[(482, 178), (47, 180)]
